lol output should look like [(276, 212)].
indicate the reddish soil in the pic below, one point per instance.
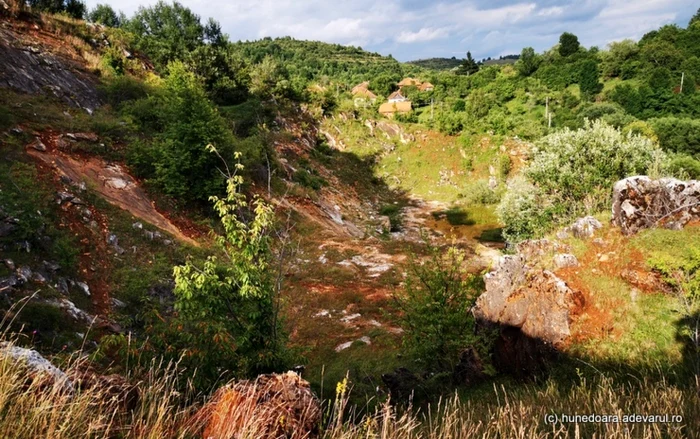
[(94, 251), (113, 183), (595, 316)]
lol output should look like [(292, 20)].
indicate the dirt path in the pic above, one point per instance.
[(115, 185)]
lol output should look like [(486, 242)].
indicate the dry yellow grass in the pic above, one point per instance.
[(35, 409)]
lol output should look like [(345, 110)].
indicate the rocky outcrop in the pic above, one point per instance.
[(640, 203), (521, 294), (30, 69), (584, 227), (389, 130), (38, 367), (277, 405)]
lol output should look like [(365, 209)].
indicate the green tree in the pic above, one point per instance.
[(681, 135), (619, 52), (660, 80), (223, 71), (661, 53), (269, 79), (628, 97), (104, 14), (695, 19), (469, 66), (75, 8), (230, 304), (588, 79), (213, 34), (529, 62), (384, 84), (166, 32), (182, 121), (568, 44), (436, 309)]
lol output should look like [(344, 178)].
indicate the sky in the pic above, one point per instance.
[(417, 29)]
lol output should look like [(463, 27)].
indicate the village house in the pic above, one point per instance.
[(388, 109), (407, 82), (426, 86), (396, 97), (362, 95), (360, 87), (412, 82)]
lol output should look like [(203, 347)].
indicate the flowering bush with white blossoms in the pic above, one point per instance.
[(571, 174), (522, 212)]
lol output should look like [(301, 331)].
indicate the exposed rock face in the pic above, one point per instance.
[(277, 405), (37, 366), (389, 130), (584, 227), (31, 70), (565, 260), (522, 356), (640, 203), (532, 299)]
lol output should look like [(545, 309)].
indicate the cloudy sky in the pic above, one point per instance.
[(413, 29)]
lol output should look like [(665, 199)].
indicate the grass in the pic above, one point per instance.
[(643, 327), (32, 408), (437, 167)]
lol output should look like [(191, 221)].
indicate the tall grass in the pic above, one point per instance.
[(521, 414), (31, 409)]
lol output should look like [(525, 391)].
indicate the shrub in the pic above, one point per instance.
[(6, 119), (479, 192), (435, 305), (685, 166), (393, 211), (230, 305), (309, 179), (522, 212), (578, 168), (613, 114), (125, 88), (678, 135), (641, 128)]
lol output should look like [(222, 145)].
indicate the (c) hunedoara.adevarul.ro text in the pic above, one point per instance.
[(554, 418)]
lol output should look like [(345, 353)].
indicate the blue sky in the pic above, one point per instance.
[(413, 29)]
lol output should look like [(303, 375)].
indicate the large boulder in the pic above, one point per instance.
[(533, 300), (640, 203), (272, 406), (37, 367)]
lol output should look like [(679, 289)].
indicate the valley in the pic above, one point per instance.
[(205, 238)]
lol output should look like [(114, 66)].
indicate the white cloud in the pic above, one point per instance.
[(425, 34), (407, 28), (551, 12)]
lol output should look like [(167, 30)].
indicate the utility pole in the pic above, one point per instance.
[(682, 78), (546, 108), (549, 124)]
